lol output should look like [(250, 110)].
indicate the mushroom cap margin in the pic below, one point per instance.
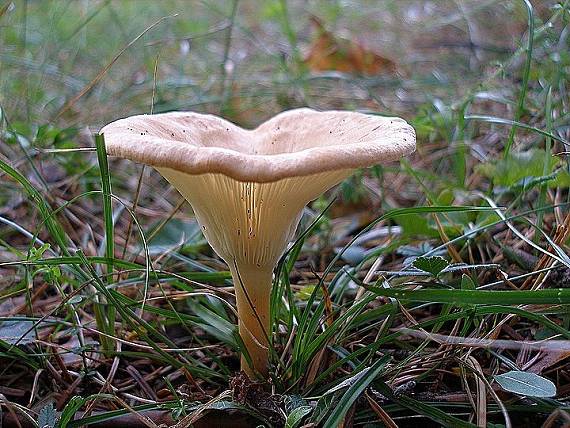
[(304, 146)]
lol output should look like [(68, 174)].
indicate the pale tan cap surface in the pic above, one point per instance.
[(294, 143)]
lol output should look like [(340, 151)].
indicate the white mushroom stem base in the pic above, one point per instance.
[(253, 289)]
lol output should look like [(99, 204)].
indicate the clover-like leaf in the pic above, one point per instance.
[(47, 417), (433, 265)]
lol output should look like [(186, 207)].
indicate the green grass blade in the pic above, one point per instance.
[(557, 296), (516, 124), (547, 159), (354, 391), (107, 205), (526, 75)]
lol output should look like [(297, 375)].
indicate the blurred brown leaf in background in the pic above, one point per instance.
[(329, 52)]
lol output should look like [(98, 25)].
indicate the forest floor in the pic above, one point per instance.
[(434, 290)]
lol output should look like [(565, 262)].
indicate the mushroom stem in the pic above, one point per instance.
[(253, 290)]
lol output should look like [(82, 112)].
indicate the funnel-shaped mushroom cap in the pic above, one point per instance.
[(292, 144), (248, 187)]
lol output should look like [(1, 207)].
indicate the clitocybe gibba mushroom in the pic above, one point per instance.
[(248, 188)]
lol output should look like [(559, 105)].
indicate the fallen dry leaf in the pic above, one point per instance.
[(332, 53)]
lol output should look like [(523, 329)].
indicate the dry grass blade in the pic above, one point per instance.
[(445, 239), (4, 8), (145, 420), (382, 415), (141, 175), (192, 418), (560, 237), (105, 69), (544, 345), (481, 402)]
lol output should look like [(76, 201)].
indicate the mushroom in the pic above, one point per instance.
[(248, 188)]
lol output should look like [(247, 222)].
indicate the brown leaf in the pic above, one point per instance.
[(331, 53)]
